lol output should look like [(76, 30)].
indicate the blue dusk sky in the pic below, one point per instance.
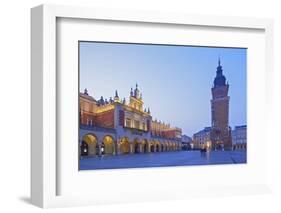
[(175, 81)]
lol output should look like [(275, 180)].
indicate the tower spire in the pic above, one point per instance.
[(220, 78), (116, 97), (136, 92)]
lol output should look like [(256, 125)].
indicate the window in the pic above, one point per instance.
[(87, 107), (137, 124), (128, 122), (144, 126)]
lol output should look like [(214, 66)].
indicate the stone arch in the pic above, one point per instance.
[(136, 146), (157, 146), (124, 145), (166, 146), (170, 146), (162, 146), (89, 145), (107, 146), (152, 146), (145, 146)]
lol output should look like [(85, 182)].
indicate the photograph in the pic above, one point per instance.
[(159, 105)]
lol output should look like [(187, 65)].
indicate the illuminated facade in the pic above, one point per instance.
[(239, 137), (202, 139), (186, 142), (113, 127)]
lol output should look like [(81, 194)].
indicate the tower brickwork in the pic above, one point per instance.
[(220, 131)]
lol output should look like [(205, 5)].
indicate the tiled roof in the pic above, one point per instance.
[(206, 129)]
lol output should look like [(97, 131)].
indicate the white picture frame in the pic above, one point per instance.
[(44, 154)]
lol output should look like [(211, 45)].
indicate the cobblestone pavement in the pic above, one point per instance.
[(160, 159)]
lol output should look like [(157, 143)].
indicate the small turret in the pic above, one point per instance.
[(136, 92), (116, 97), (86, 91), (101, 101)]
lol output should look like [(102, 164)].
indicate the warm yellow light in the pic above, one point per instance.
[(208, 144)]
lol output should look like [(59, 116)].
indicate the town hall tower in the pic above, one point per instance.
[(220, 130)]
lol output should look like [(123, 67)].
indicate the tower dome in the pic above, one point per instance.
[(220, 78)]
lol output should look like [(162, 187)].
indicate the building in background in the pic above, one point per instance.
[(186, 142), (161, 129), (202, 139), (114, 126), (220, 130), (239, 137)]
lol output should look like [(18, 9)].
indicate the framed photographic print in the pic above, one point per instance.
[(120, 132), (149, 106)]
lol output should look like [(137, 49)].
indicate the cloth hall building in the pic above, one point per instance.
[(114, 127)]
